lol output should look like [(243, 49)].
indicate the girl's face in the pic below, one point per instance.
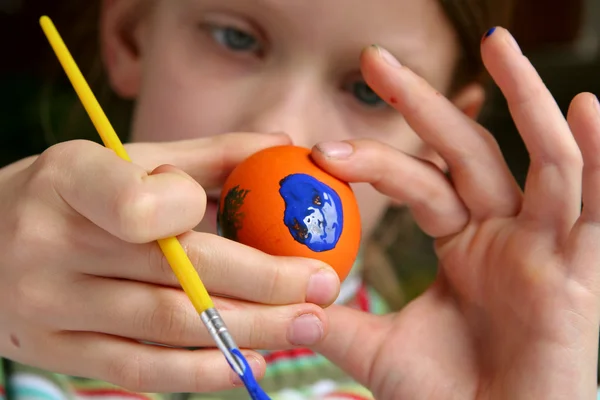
[(199, 68)]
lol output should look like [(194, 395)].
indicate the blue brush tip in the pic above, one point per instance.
[(254, 389)]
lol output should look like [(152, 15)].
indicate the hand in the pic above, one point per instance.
[(83, 282), (514, 313)]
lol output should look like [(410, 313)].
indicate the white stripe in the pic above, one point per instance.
[(324, 387), (349, 288), (289, 394), (25, 380), (351, 285)]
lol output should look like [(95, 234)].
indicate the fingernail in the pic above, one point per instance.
[(489, 33), (255, 365), (336, 149), (306, 330), (388, 57), (171, 169), (278, 133), (323, 287)]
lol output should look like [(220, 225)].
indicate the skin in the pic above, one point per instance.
[(514, 312), (176, 59)]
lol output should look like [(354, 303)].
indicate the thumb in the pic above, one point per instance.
[(354, 341), (207, 160), (116, 195)]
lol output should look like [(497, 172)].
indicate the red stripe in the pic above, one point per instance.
[(288, 354), (347, 396), (362, 297), (110, 392)]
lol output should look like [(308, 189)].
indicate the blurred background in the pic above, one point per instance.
[(562, 39)]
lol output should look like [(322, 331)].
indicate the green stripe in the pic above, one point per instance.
[(295, 364)]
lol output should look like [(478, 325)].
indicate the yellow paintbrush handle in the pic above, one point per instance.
[(186, 274), (91, 105)]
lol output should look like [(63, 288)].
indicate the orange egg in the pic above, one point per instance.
[(280, 202)]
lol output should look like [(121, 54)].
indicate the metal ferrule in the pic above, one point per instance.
[(217, 329)]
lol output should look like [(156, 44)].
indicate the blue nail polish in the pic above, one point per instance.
[(489, 32)]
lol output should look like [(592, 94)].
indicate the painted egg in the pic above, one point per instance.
[(280, 202)]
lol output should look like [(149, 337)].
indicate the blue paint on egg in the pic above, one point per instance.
[(313, 212)]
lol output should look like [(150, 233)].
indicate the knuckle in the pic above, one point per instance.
[(33, 300), (159, 266), (63, 156), (565, 157), (198, 377), (220, 146), (255, 334), (170, 321), (572, 157), (527, 95), (52, 170), (127, 372), (45, 170), (197, 254), (273, 283), (432, 197)]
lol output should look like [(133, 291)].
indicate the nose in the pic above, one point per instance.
[(295, 105)]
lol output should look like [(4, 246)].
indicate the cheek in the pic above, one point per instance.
[(181, 100), (166, 112)]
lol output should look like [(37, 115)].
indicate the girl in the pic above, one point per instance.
[(513, 313)]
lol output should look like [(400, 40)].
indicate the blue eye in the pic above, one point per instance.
[(235, 39), (364, 94)]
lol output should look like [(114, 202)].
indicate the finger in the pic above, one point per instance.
[(354, 340), (116, 195), (583, 250), (165, 315), (227, 268), (421, 186), (208, 160), (142, 368), (584, 119), (553, 188), (480, 175)]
